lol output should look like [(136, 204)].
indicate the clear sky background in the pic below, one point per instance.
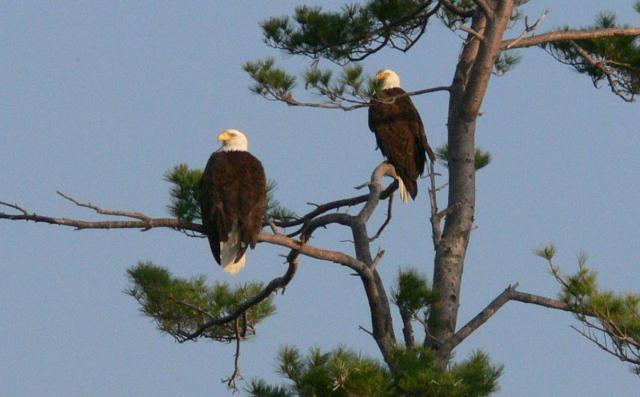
[(99, 99)]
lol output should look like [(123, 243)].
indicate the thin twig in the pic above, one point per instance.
[(386, 221), (377, 259), (360, 327), (15, 206), (528, 29), (102, 211), (231, 381)]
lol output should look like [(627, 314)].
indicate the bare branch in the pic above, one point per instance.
[(375, 189), (436, 230), (481, 317), (322, 208), (322, 221), (386, 221), (102, 211), (509, 294), (231, 381), (313, 252), (366, 331), (377, 259), (78, 224), (568, 36), (528, 28), (15, 206)]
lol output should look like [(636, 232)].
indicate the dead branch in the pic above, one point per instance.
[(178, 224), (386, 221), (375, 190), (528, 28), (231, 380), (377, 259), (78, 224), (509, 294), (102, 211), (436, 229), (363, 264), (570, 35), (322, 208)]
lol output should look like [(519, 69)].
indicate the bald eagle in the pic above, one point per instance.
[(399, 133), (233, 200)]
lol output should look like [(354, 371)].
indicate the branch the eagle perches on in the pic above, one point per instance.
[(364, 264)]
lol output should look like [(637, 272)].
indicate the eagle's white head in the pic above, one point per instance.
[(389, 78), (233, 141)]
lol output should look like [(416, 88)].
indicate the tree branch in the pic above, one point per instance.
[(102, 211), (528, 28), (276, 283), (570, 35), (509, 294), (386, 221), (231, 381), (291, 101), (602, 66), (322, 208)]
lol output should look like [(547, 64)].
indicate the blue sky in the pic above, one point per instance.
[(98, 100)]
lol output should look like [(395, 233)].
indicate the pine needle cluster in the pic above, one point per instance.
[(614, 60), (180, 306), (610, 320), (342, 372)]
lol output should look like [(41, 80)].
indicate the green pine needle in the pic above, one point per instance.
[(481, 160), (546, 252), (180, 306)]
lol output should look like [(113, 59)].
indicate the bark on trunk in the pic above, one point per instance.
[(468, 89)]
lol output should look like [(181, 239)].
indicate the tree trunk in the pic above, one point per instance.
[(467, 92)]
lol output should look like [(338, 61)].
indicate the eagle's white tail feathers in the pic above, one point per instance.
[(404, 195), (229, 251)]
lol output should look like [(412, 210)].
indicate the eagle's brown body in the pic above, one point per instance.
[(400, 136), (233, 202)]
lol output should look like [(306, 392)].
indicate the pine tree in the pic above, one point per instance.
[(189, 309)]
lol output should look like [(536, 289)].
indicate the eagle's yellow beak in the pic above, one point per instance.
[(381, 75), (224, 136)]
